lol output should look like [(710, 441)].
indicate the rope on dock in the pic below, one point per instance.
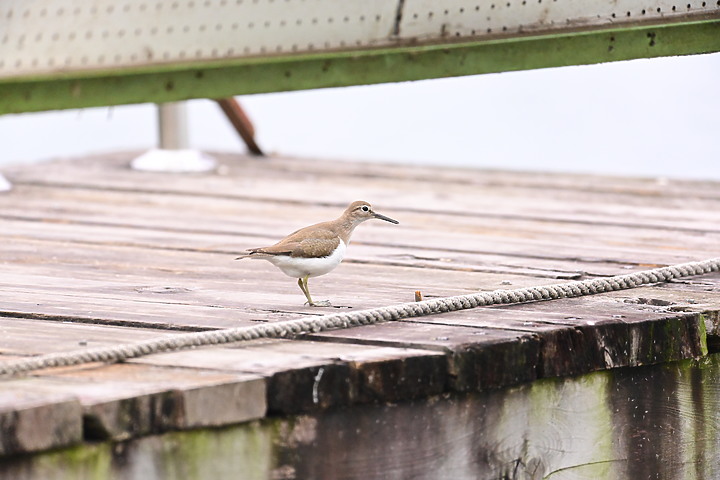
[(401, 311)]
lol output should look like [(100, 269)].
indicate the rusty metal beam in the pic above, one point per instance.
[(241, 122)]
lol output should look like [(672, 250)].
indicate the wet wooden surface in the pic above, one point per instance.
[(94, 254)]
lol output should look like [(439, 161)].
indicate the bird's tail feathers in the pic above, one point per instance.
[(244, 255), (255, 252)]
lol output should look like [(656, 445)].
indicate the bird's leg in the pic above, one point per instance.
[(302, 283)]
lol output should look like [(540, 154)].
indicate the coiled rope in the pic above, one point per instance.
[(363, 317)]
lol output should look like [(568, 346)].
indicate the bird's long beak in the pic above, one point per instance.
[(383, 217)]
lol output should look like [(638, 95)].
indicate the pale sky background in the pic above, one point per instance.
[(656, 118)]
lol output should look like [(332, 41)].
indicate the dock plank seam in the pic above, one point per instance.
[(345, 320)]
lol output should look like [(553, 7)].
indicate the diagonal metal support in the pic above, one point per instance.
[(241, 122)]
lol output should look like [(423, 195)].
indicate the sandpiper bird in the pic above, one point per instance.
[(316, 250)]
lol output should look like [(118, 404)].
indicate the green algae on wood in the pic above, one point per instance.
[(620, 423), (225, 78)]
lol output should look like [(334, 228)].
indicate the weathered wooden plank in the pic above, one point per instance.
[(161, 309), (459, 210), (124, 400), (124, 236), (107, 167), (30, 251), (180, 310), (595, 359), (432, 197), (591, 333), (576, 336), (700, 295), (105, 310), (209, 290), (604, 425), (430, 242), (488, 204), (306, 376), (95, 243), (33, 422), (494, 202), (606, 334), (649, 188), (478, 358), (567, 337), (24, 337), (469, 242)]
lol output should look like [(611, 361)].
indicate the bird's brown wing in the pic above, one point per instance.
[(316, 247), (321, 242)]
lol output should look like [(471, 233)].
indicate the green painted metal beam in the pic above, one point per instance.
[(220, 79)]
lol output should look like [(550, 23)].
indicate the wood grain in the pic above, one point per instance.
[(94, 254)]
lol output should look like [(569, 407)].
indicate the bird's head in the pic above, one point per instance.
[(360, 211)]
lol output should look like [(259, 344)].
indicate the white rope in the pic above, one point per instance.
[(363, 317)]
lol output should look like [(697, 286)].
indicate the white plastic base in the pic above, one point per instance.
[(175, 161), (5, 186)]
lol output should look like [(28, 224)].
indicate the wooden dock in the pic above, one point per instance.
[(95, 254)]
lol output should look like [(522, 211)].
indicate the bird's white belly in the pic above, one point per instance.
[(298, 267)]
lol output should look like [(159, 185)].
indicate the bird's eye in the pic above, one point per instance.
[(365, 208)]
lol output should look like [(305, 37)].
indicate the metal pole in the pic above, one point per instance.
[(173, 126), (174, 154)]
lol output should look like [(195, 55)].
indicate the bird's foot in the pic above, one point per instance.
[(320, 303)]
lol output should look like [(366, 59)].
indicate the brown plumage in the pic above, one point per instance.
[(317, 249)]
